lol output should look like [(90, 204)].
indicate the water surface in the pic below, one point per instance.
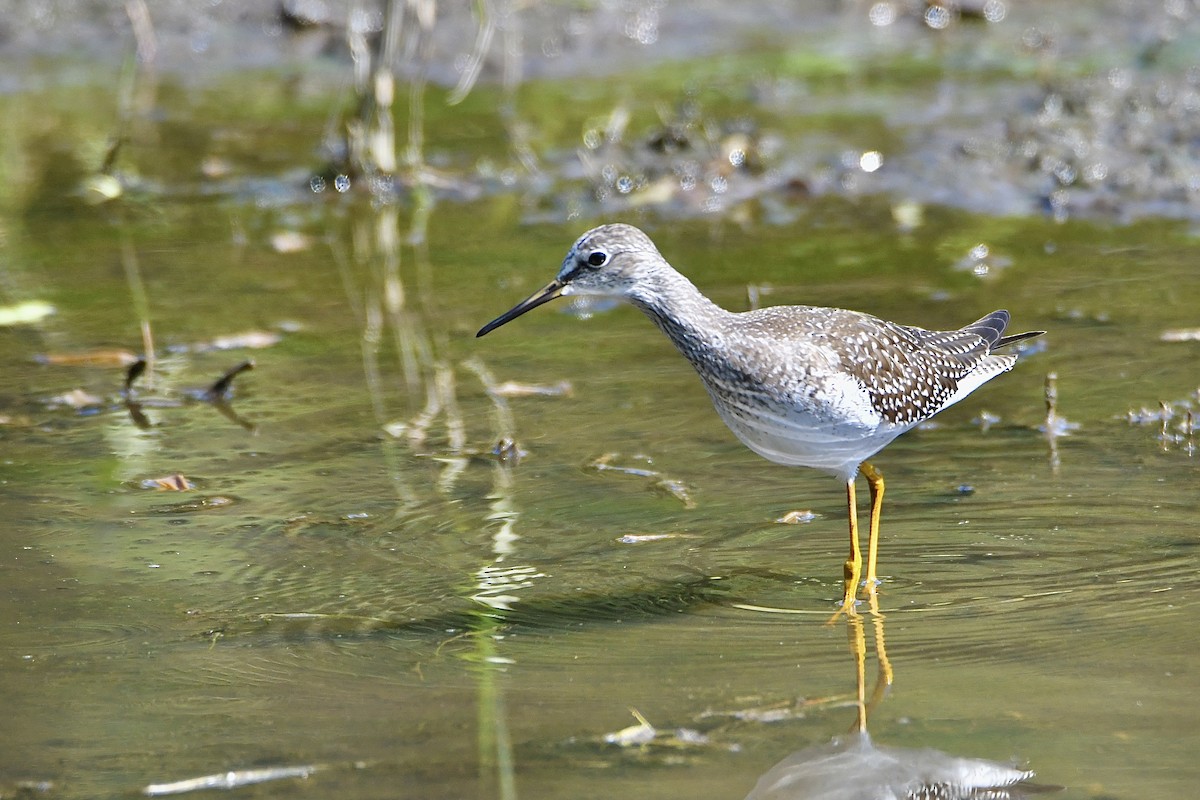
[(358, 584)]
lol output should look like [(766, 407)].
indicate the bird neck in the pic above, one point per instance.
[(688, 318)]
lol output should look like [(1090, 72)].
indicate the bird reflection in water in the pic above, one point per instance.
[(853, 767)]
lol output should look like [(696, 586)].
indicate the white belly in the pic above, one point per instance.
[(834, 434)]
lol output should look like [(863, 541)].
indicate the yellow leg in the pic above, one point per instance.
[(875, 479), (853, 566), (855, 630), (858, 646), (884, 680)]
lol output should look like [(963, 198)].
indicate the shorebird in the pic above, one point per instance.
[(805, 386)]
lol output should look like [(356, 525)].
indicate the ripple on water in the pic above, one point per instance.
[(84, 638)]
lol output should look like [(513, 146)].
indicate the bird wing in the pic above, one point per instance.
[(912, 373)]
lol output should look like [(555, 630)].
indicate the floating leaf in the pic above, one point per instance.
[(634, 735), (169, 483), (76, 398), (642, 538), (659, 481), (514, 389), (230, 779), (797, 517), (89, 358), (250, 340), (101, 188), (26, 313), (508, 451), (677, 489), (290, 242), (215, 167)]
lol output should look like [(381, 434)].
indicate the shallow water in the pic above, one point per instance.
[(358, 585)]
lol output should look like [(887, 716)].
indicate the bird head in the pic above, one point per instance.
[(609, 261)]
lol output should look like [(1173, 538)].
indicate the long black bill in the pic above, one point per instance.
[(544, 295)]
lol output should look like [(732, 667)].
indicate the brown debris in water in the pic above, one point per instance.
[(76, 399), (658, 481), (169, 483), (515, 389), (100, 357), (1180, 335)]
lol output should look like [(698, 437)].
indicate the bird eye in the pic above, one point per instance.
[(597, 258)]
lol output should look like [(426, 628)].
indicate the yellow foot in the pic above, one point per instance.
[(848, 612), (847, 609), (850, 603), (871, 591)]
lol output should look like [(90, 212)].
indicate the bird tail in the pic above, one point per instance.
[(991, 330), (1004, 341)]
